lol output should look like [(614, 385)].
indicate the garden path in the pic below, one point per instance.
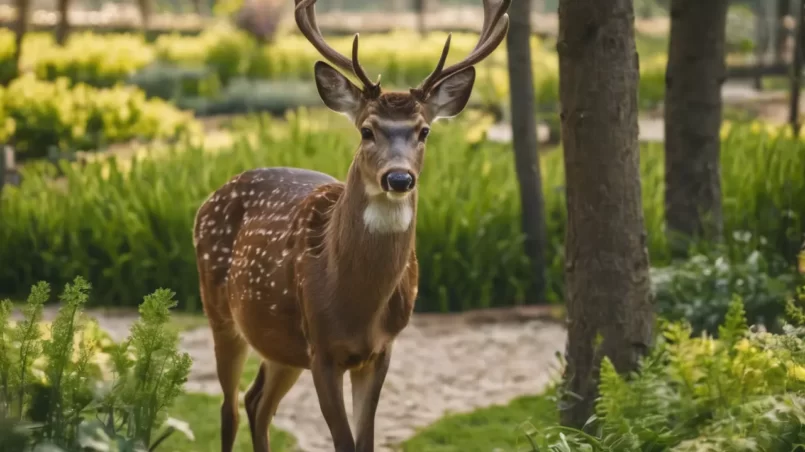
[(442, 363)]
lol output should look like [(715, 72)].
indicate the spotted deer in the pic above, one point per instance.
[(314, 273)]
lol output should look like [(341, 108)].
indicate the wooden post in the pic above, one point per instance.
[(796, 76)]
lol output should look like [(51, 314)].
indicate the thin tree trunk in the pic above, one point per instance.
[(145, 14), (23, 11), (524, 133), (63, 26), (783, 10), (796, 76), (606, 259), (696, 71)]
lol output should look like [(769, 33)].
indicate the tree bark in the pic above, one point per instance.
[(23, 11), (524, 137), (783, 10), (606, 259), (63, 26), (696, 70)]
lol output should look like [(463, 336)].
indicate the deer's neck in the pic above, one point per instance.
[(369, 243)]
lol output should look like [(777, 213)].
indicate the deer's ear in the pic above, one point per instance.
[(451, 95), (338, 93)]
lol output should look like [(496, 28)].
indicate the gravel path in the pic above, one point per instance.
[(441, 364)]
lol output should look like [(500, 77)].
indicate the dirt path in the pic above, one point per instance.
[(442, 363)]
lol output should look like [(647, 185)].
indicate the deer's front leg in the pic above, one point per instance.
[(367, 382), (329, 381)]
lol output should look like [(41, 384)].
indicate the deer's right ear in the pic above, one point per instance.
[(338, 93)]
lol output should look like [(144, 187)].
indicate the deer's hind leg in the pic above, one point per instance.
[(230, 354), (273, 381)]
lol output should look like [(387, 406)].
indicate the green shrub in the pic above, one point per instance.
[(129, 229), (55, 389), (701, 289), (37, 115), (742, 392)]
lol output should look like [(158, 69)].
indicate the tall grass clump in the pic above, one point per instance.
[(127, 225)]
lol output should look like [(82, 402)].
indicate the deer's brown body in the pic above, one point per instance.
[(314, 273), (287, 248)]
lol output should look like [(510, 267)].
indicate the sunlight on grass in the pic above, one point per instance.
[(499, 428)]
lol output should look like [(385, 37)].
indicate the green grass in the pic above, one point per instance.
[(499, 428), (201, 411)]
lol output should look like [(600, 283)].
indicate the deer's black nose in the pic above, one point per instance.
[(398, 181)]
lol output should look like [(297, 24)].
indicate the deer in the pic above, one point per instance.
[(317, 274)]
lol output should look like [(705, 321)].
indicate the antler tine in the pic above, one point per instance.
[(305, 15), (422, 90), (370, 89), (493, 30)]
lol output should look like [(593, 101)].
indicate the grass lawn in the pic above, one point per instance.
[(500, 428), (201, 411)]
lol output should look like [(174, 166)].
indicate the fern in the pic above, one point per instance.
[(744, 391)]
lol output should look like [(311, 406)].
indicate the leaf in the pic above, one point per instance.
[(180, 426)]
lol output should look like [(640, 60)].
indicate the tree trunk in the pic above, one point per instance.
[(783, 10), (606, 260), (145, 14), (23, 11), (696, 71), (63, 26), (524, 136)]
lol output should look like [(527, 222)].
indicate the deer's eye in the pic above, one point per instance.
[(423, 133), (366, 134)]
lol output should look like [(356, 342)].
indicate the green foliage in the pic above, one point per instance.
[(223, 54), (54, 390), (37, 115), (742, 392), (127, 225), (701, 289)]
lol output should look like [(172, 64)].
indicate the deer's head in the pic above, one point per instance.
[(394, 126)]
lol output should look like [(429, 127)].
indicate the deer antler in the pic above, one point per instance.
[(495, 26), (305, 14)]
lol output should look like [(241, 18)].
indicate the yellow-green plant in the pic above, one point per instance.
[(72, 388), (742, 392), (36, 115)]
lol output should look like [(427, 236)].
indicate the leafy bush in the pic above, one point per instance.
[(128, 227), (54, 386), (36, 115), (742, 392), (701, 289)]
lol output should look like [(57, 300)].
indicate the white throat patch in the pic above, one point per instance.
[(386, 216)]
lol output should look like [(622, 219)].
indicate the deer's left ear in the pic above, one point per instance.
[(451, 95), (336, 91)]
